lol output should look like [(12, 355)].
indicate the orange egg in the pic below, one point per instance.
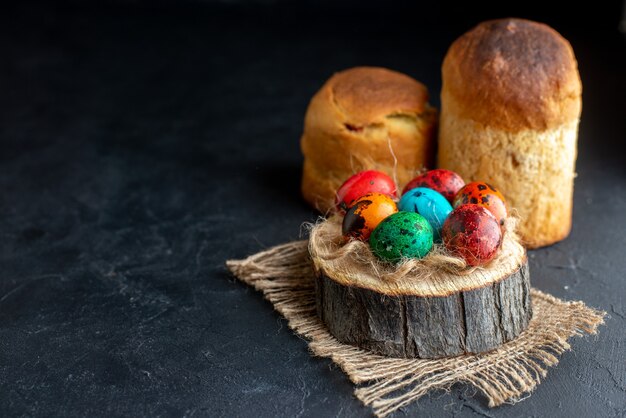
[(483, 194), (365, 215)]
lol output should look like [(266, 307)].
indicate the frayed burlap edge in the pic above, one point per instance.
[(285, 277)]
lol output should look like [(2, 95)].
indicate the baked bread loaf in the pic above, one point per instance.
[(365, 118), (510, 106)]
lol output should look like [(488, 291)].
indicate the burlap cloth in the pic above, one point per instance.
[(285, 277)]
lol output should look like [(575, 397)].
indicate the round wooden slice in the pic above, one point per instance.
[(441, 315)]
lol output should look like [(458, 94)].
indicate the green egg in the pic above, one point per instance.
[(402, 235)]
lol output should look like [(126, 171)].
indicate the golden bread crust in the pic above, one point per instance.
[(367, 95), (513, 74), (365, 118)]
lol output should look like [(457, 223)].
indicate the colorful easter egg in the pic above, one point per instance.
[(370, 181), (365, 215), (428, 203), (402, 235), (473, 233), (446, 182), (483, 194)]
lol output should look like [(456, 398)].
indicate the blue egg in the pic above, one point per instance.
[(428, 203)]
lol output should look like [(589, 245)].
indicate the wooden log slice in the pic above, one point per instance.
[(439, 316)]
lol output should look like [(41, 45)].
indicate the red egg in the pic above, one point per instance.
[(446, 182), (360, 184), (483, 194), (473, 233)]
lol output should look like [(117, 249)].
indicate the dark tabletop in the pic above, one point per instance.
[(141, 146)]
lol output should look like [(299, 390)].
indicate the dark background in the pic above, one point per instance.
[(144, 143)]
